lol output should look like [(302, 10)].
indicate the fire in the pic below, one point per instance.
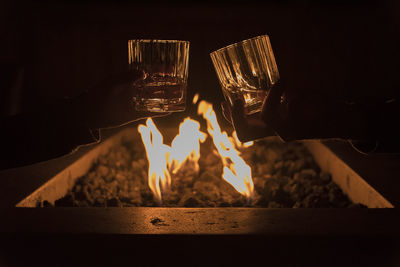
[(165, 160), (236, 171), (186, 145), (195, 98), (239, 144), (156, 153)]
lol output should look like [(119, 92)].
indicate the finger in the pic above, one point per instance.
[(240, 122), (147, 114), (258, 127), (136, 117), (226, 111), (254, 129), (272, 102), (237, 111), (249, 127)]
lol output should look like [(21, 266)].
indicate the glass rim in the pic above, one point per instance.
[(239, 43), (158, 41)]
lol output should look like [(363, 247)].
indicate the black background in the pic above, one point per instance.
[(347, 48)]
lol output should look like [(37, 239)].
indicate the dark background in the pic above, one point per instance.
[(347, 48)]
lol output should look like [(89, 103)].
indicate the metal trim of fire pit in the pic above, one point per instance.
[(352, 184), (59, 185), (358, 190)]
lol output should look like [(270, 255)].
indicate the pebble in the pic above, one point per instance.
[(285, 176)]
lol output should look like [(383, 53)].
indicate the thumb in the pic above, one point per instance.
[(226, 111), (147, 114), (237, 111)]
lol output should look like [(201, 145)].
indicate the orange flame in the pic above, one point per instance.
[(156, 153), (195, 98), (186, 145), (239, 144), (164, 159), (236, 171)]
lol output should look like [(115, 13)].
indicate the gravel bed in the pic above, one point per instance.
[(285, 175)]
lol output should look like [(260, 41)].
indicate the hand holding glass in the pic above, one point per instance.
[(246, 71)]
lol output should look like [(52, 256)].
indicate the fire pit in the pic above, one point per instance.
[(284, 175), (267, 174), (251, 226)]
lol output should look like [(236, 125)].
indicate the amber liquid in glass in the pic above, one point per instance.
[(252, 99), (160, 94)]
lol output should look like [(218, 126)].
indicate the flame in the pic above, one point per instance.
[(240, 144), (165, 160), (186, 145), (156, 153), (195, 98), (236, 171)]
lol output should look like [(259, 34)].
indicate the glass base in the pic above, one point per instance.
[(252, 99), (160, 94), (160, 105), (253, 107)]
